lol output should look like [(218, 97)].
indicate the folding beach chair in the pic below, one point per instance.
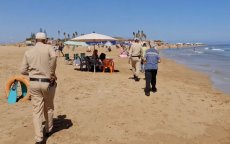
[(82, 54), (76, 60), (85, 63), (108, 63), (75, 56), (67, 59)]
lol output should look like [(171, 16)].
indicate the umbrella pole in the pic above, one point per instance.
[(94, 60)]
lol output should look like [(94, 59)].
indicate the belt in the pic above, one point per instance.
[(40, 79)]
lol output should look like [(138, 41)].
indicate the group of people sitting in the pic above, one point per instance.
[(92, 61), (98, 60)]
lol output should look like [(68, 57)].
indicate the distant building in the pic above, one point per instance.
[(199, 44)]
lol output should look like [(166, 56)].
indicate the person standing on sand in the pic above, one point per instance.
[(143, 49), (40, 64), (194, 49), (88, 49), (151, 60), (60, 48), (135, 58)]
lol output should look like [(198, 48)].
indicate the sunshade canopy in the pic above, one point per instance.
[(94, 37)]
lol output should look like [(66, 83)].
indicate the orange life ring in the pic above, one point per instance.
[(19, 78)]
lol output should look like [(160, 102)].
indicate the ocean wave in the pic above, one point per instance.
[(227, 78), (215, 49), (199, 52), (217, 71), (205, 65)]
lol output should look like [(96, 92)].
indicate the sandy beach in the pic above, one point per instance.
[(104, 108)]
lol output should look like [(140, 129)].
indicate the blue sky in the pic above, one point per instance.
[(170, 20)]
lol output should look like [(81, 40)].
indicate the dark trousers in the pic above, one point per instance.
[(150, 77)]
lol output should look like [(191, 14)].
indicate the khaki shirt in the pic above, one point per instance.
[(39, 61), (135, 50), (143, 51)]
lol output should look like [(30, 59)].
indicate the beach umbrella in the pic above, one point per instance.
[(94, 38)]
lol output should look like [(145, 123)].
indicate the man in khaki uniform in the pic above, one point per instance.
[(135, 57), (40, 63)]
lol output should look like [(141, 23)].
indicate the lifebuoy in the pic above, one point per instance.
[(21, 79)]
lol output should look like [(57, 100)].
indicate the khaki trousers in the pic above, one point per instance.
[(42, 97), (135, 61)]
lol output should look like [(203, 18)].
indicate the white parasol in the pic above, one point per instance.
[(94, 37)]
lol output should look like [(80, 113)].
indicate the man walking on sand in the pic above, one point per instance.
[(135, 57), (151, 60), (40, 63), (143, 50)]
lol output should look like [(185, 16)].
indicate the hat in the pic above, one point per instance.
[(40, 35)]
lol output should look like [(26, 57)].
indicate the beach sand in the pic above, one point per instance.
[(104, 108)]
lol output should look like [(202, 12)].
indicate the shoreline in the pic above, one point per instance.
[(215, 88), (218, 82), (112, 108), (173, 46)]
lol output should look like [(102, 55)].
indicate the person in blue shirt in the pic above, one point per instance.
[(151, 60)]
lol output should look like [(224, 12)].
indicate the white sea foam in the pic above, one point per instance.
[(199, 52), (215, 49)]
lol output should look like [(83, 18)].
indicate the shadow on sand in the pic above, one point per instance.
[(97, 70), (60, 123)]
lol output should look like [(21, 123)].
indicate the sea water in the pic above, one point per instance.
[(212, 59)]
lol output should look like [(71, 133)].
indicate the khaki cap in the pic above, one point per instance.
[(40, 35)]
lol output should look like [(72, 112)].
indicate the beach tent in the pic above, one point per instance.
[(108, 43), (125, 43), (75, 43), (94, 37)]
